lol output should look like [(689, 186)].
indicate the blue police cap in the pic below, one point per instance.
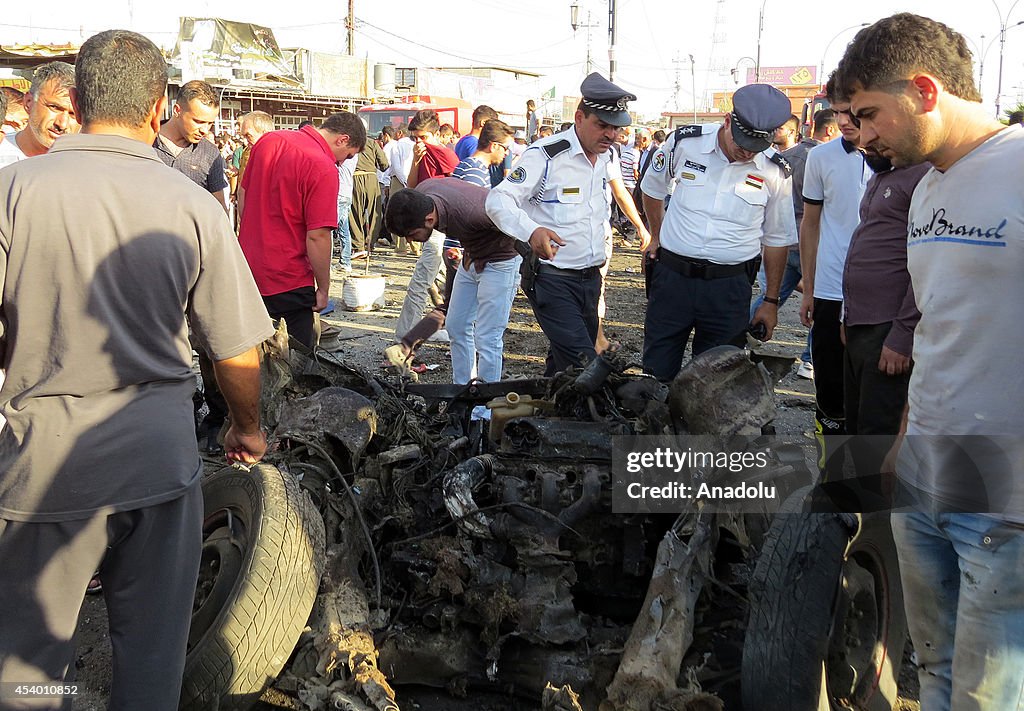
[(606, 100), (757, 110)]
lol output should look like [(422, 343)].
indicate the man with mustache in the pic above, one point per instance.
[(731, 199), (50, 114), (558, 199)]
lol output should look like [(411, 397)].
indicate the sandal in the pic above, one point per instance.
[(94, 586)]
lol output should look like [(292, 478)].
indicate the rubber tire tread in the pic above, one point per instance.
[(253, 636), (792, 592)]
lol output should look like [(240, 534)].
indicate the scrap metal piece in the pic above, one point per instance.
[(333, 412), (550, 438), (722, 392), (458, 495)]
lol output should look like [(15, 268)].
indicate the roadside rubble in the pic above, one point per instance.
[(465, 554)]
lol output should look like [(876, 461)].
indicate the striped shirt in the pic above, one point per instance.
[(473, 171)]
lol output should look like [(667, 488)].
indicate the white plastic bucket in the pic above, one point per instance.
[(363, 292)]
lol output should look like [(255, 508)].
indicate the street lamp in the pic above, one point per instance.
[(821, 71), (735, 71), (1002, 44), (574, 20)]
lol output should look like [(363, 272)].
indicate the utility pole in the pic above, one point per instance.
[(350, 25), (675, 95), (611, 40), (693, 86)]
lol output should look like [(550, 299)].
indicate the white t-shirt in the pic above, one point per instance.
[(835, 178), (9, 151), (965, 253)]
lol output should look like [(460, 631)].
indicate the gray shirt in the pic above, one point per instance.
[(103, 254), (965, 253)]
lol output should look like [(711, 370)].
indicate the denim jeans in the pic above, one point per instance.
[(423, 275), (790, 278), (343, 232), (477, 317), (964, 597)]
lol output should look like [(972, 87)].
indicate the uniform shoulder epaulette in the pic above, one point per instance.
[(783, 164), (690, 131), (553, 149)]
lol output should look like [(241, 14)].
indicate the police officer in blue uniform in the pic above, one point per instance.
[(558, 199), (728, 195)]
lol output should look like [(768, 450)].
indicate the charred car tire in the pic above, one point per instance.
[(826, 631), (263, 555)]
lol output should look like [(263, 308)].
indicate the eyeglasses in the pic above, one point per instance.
[(506, 146)]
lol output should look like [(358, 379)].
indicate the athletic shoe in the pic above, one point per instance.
[(440, 337), (806, 370)]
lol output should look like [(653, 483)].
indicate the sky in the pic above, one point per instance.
[(655, 38)]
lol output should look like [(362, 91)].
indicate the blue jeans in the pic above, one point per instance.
[(423, 275), (790, 278), (963, 590), (477, 317), (344, 234)]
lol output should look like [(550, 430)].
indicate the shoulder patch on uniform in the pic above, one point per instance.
[(658, 164), (783, 164), (553, 149), (689, 131), (517, 176)]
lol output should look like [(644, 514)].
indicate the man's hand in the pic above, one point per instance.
[(321, 299), (545, 243), (893, 363), (650, 250), (807, 310), (768, 314), (645, 239), (245, 448), (418, 151)]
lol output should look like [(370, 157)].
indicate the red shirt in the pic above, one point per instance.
[(439, 162), (291, 188)]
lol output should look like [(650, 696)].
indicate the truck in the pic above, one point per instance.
[(398, 111)]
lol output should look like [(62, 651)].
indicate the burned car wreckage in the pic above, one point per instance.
[(391, 538)]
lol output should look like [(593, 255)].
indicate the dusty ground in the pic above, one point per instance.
[(361, 341)]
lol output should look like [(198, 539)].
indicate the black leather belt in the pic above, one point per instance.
[(702, 268), (587, 273)]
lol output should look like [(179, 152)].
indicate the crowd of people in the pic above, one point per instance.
[(893, 217)]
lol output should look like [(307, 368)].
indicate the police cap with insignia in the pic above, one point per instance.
[(606, 100), (757, 110)]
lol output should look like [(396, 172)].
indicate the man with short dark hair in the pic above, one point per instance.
[(50, 113), (910, 82), (181, 145), (825, 129), (492, 148), (835, 177), (289, 204), (787, 135), (430, 160), (98, 464)]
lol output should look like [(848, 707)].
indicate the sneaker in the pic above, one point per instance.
[(806, 370), (440, 337)]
